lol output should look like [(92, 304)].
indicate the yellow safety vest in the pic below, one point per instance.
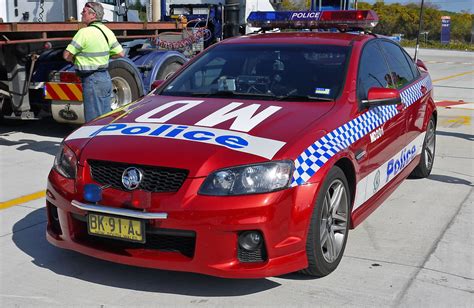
[(90, 48)]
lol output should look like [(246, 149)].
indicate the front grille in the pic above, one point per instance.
[(154, 241), (172, 243), (165, 240), (155, 179)]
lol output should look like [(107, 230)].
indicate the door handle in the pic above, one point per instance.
[(400, 107)]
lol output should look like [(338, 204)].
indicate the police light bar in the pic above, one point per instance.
[(342, 20)]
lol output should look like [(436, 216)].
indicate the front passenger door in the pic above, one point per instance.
[(386, 138)]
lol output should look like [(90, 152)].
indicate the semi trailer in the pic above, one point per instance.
[(36, 81)]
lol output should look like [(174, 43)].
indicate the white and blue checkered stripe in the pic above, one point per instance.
[(318, 153), (413, 93)]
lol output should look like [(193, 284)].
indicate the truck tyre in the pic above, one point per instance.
[(423, 169), (125, 87), (5, 104), (329, 225), (2, 108), (169, 67)]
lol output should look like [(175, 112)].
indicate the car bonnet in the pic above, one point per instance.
[(199, 134)]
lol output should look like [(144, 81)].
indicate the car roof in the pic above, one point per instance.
[(317, 38)]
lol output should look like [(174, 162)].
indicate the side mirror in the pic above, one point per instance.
[(155, 84), (421, 65), (382, 97)]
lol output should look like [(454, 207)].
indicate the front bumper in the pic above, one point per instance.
[(199, 234)]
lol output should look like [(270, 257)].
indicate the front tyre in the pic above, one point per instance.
[(423, 169), (329, 225)]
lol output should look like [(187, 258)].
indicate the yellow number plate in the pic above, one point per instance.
[(116, 227)]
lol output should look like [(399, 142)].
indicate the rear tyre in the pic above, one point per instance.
[(125, 88), (5, 108), (169, 67), (425, 166), (2, 113), (329, 225)]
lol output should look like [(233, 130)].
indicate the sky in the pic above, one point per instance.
[(448, 5)]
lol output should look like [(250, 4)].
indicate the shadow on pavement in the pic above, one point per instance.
[(45, 127), (458, 135), (298, 276), (449, 179), (29, 237), (49, 147)]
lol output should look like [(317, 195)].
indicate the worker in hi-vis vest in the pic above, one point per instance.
[(90, 50)]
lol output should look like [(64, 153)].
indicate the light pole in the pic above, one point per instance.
[(419, 29)]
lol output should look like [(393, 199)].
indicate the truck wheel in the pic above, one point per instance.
[(425, 166), (124, 87), (329, 225), (169, 67), (5, 104), (2, 108)]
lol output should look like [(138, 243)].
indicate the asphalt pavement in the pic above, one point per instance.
[(416, 250)]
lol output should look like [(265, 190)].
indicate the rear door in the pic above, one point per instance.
[(413, 87)]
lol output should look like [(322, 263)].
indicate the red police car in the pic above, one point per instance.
[(255, 159)]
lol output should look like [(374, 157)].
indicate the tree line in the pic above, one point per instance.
[(395, 18), (398, 18)]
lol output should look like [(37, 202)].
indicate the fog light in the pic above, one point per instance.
[(250, 240)]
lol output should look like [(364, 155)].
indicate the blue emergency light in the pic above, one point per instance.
[(92, 193), (342, 20)]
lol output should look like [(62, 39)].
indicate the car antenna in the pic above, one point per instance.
[(419, 30)]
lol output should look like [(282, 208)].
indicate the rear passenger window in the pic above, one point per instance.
[(412, 65), (400, 71), (373, 71)]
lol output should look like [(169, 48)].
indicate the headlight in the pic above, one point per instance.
[(66, 162), (251, 179)]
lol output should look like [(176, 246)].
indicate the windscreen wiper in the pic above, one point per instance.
[(230, 93), (304, 98), (211, 94)]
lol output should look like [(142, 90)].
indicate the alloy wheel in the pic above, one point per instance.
[(334, 221), (430, 145)]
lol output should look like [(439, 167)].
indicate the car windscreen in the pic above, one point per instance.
[(285, 72)]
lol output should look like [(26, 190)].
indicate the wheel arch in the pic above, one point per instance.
[(128, 65), (435, 116), (349, 171), (430, 110), (153, 61), (348, 168)]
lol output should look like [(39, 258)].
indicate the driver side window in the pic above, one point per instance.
[(208, 74), (373, 70)]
